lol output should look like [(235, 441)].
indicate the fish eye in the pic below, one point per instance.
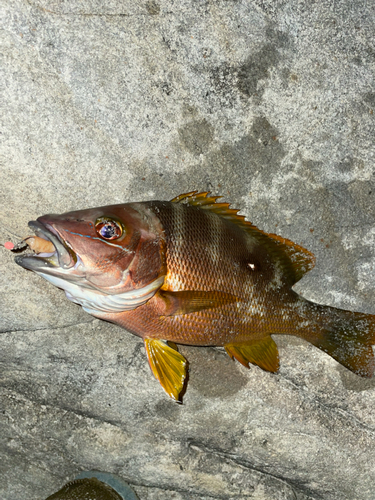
[(108, 229)]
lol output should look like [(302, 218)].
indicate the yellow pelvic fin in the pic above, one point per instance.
[(168, 366), (262, 352), (189, 301), (295, 259)]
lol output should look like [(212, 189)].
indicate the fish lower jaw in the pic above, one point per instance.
[(38, 262)]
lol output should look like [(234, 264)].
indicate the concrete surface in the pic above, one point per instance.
[(269, 103)]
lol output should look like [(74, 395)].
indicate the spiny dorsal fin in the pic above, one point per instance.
[(295, 259)]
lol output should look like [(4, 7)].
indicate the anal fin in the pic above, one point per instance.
[(168, 366), (261, 352)]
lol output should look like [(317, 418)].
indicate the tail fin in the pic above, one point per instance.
[(346, 336)]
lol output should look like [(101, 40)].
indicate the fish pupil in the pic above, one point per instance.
[(109, 230)]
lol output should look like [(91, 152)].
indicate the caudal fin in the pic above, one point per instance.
[(346, 336)]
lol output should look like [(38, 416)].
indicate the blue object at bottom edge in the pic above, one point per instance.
[(113, 481)]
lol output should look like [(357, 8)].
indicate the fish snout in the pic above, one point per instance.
[(50, 251), (44, 229)]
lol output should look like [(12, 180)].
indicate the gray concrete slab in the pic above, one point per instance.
[(268, 103)]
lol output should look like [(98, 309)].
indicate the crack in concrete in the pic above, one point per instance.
[(51, 328), (65, 408), (295, 487), (248, 466), (188, 491), (7, 230), (330, 409), (89, 14)]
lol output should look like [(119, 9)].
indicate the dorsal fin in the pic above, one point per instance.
[(295, 259)]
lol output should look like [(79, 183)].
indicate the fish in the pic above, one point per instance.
[(192, 271)]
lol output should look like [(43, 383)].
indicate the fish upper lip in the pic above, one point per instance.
[(66, 256)]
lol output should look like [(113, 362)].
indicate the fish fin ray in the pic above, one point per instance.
[(181, 197), (295, 259), (173, 303), (261, 352), (345, 335), (299, 260), (167, 365), (196, 199)]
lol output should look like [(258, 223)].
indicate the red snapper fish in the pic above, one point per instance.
[(192, 271)]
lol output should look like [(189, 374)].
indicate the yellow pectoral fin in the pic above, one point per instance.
[(168, 366), (189, 301), (262, 352)]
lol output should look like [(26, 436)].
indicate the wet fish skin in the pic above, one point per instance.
[(193, 271)]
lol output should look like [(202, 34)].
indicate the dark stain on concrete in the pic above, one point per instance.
[(345, 196), (363, 194), (228, 82), (346, 165), (189, 111), (196, 136), (227, 171), (168, 409), (153, 8), (256, 68), (369, 98), (259, 150), (279, 38)]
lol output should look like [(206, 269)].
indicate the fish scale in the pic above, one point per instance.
[(191, 228), (193, 271)]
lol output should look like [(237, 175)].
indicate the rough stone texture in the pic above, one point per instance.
[(268, 102)]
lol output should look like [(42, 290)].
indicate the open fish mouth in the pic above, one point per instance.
[(60, 258)]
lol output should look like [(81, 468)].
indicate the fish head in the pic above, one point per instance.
[(109, 250)]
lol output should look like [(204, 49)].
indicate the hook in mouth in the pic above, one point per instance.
[(61, 257)]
